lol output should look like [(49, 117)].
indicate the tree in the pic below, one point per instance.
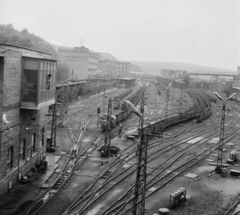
[(25, 39), (63, 72)]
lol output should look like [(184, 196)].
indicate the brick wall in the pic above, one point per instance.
[(20, 119), (10, 107), (1, 98)]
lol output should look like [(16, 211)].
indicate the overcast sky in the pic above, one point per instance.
[(205, 32)]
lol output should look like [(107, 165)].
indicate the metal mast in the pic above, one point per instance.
[(54, 115), (221, 141), (64, 104), (53, 135), (104, 98), (181, 101), (107, 142), (220, 149), (140, 187), (166, 107)]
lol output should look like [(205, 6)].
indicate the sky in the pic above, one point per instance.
[(204, 32)]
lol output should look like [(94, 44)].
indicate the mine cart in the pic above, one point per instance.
[(178, 196)]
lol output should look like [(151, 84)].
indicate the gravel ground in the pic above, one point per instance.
[(208, 194)]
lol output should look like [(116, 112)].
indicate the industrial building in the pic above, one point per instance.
[(173, 73), (27, 88), (123, 69), (109, 68), (83, 62)]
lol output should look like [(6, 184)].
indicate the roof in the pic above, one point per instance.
[(137, 72), (127, 79), (237, 88), (21, 47), (71, 84)]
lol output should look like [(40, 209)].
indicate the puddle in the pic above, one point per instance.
[(116, 192), (52, 159), (152, 189), (236, 209), (95, 210), (214, 140), (86, 140), (126, 165), (195, 140), (185, 140), (205, 169)]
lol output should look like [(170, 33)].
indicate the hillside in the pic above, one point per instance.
[(154, 68), (25, 39), (107, 56)]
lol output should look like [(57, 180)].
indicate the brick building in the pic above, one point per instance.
[(27, 88), (83, 63)]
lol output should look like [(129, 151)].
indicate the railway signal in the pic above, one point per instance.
[(221, 141)]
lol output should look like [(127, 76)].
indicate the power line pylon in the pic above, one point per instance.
[(167, 99), (107, 141), (64, 104), (53, 136), (140, 187), (181, 101)]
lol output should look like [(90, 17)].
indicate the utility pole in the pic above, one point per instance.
[(140, 187)]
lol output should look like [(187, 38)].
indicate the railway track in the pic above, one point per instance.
[(65, 175), (96, 191), (106, 175)]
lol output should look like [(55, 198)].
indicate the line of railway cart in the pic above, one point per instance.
[(200, 111)]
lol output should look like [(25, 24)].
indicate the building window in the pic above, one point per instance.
[(10, 158), (23, 149), (33, 144), (49, 81)]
